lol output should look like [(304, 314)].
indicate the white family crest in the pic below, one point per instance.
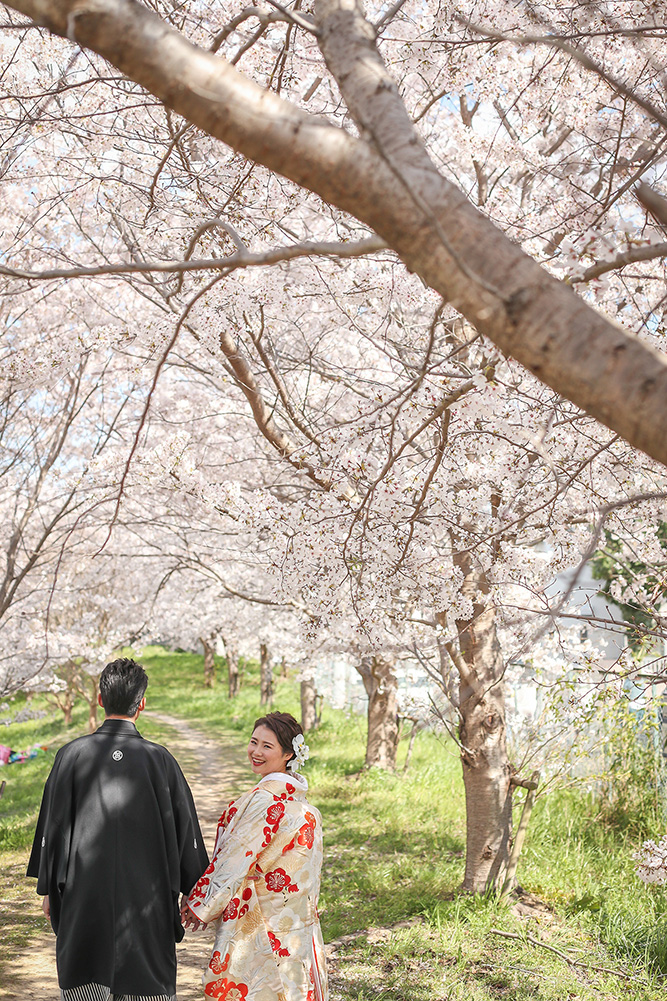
[(117, 755)]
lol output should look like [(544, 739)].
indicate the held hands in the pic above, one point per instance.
[(46, 906), (188, 918)]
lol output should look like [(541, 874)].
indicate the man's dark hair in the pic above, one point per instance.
[(123, 684)]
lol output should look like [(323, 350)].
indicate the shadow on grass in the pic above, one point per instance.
[(21, 917)]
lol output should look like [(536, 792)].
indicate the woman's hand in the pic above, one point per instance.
[(46, 906), (188, 918)]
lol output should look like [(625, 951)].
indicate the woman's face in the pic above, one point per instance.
[(265, 753)]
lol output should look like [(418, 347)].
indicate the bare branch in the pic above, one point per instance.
[(389, 14), (632, 256), (582, 57), (504, 293), (264, 17), (243, 259), (300, 20)]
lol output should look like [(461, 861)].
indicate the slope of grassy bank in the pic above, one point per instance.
[(394, 857)]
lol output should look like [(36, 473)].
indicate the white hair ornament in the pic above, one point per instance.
[(301, 753)]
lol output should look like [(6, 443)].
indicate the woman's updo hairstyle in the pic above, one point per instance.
[(285, 728)]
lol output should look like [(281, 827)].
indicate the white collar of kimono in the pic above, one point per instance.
[(296, 780)]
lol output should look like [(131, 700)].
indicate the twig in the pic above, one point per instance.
[(571, 962), (389, 15), (572, 50), (242, 259), (301, 20)]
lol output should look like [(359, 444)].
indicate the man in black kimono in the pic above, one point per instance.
[(117, 840)]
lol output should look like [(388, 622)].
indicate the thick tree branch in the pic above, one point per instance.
[(655, 203), (396, 191)]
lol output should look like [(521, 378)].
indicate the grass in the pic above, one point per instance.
[(394, 860)]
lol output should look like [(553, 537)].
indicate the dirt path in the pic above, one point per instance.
[(216, 770)]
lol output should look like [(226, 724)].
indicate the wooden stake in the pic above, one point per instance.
[(521, 832)]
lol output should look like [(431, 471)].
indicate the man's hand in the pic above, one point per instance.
[(46, 906), (188, 918)]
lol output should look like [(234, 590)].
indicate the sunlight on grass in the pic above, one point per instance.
[(394, 855)]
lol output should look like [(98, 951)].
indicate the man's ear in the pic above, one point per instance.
[(99, 701), (142, 705)]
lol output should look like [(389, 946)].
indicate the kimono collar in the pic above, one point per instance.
[(296, 780), (119, 727)]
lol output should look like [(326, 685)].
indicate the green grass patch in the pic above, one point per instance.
[(394, 854)]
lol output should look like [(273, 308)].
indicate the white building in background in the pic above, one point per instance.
[(580, 609), (341, 685)]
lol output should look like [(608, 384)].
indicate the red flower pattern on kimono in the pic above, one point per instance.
[(274, 815), (306, 835), (277, 945), (278, 880), (245, 896), (248, 874), (200, 887), (226, 990), (225, 817), (311, 990), (216, 965)]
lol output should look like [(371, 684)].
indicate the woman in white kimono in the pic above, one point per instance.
[(262, 886)]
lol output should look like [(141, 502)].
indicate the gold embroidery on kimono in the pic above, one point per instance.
[(261, 889)]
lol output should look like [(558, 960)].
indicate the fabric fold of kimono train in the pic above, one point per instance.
[(261, 888)]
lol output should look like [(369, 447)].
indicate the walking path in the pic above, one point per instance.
[(217, 771)]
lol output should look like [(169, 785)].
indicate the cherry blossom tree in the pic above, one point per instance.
[(389, 181), (369, 448)]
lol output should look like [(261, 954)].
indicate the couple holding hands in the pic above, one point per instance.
[(118, 843)]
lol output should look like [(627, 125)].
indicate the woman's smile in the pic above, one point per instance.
[(265, 753)]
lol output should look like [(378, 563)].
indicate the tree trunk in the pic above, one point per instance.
[(265, 676), (411, 744), (232, 657), (209, 662), (482, 732), (309, 719), (92, 712), (383, 726), (67, 705)]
